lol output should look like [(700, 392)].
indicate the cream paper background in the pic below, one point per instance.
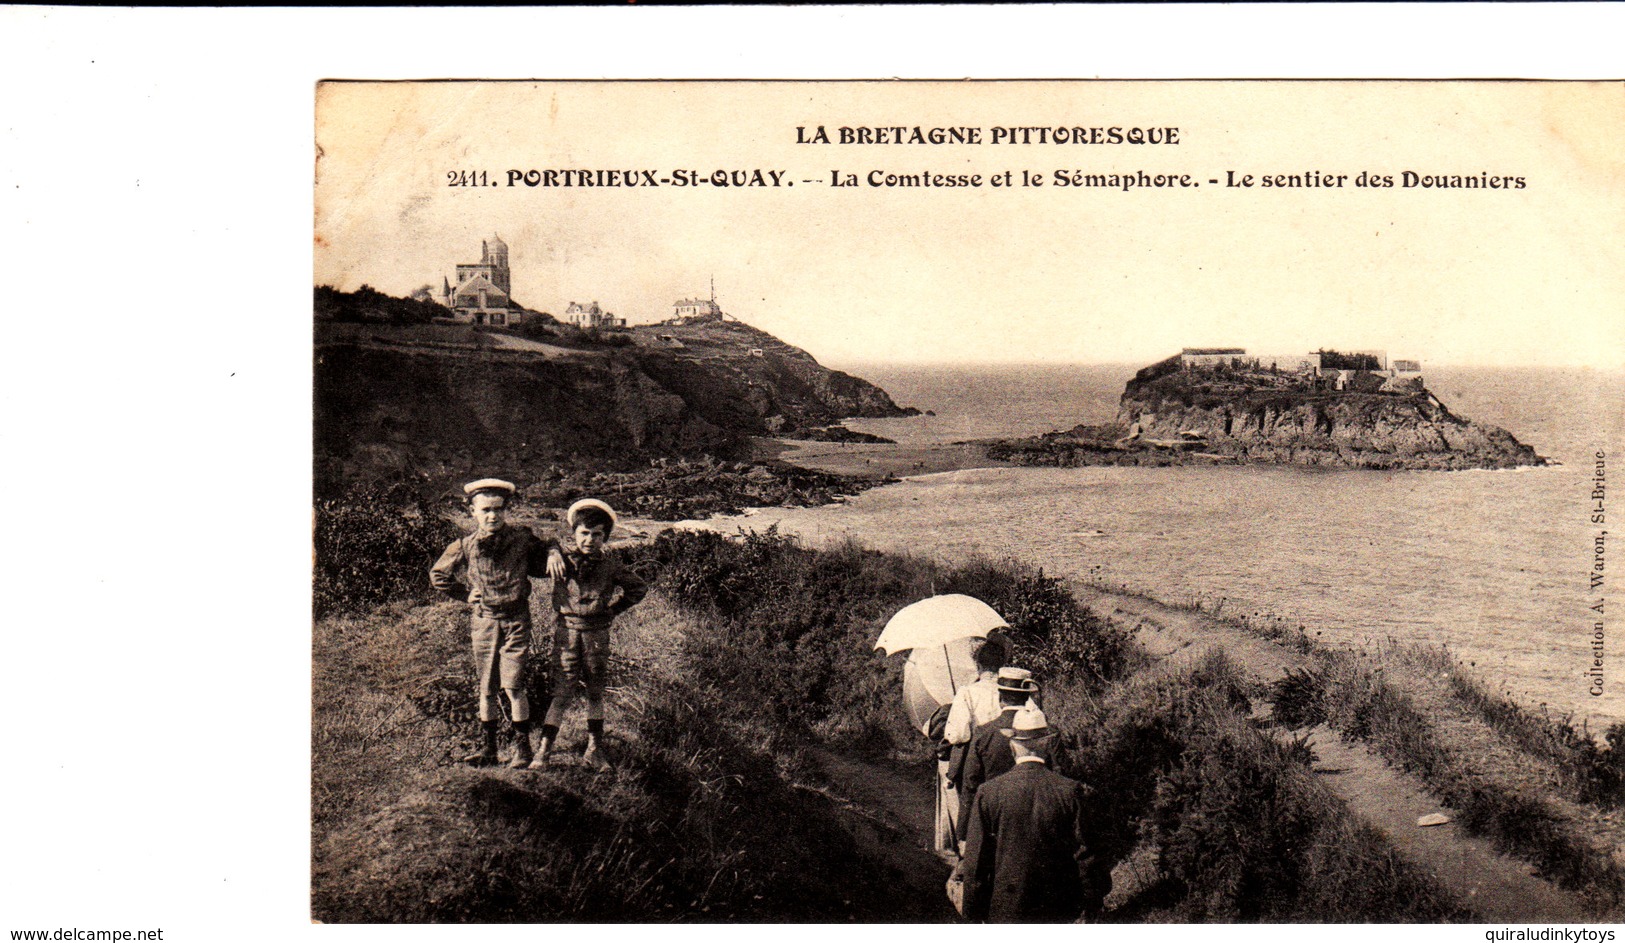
[(157, 211), (1015, 274)]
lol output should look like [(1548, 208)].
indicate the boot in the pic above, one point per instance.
[(594, 756), (487, 754), (522, 755), (539, 761)]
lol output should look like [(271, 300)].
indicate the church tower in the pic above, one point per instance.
[(494, 252)]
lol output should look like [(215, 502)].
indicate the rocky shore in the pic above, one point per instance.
[(1167, 416), (687, 489)]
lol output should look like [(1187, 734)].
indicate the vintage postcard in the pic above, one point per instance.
[(926, 501)]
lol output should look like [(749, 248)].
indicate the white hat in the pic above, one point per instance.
[(1016, 679), (1030, 724), (489, 484), (583, 504)]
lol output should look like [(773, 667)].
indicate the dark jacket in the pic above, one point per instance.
[(987, 755), (1025, 858), (595, 590), (494, 573)]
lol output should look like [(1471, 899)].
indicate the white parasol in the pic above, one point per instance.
[(939, 633)]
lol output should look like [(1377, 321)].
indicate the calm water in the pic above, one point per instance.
[(1491, 563)]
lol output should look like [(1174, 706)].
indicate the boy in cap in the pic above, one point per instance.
[(491, 569), (593, 589)]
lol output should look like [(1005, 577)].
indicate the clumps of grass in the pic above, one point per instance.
[(1587, 771), (1241, 829), (697, 822), (1297, 699), (795, 627), (374, 545), (1363, 705)]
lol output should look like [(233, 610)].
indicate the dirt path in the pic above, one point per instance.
[(889, 814), (1498, 887)]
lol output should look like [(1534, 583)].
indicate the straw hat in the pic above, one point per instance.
[(1018, 680), (1030, 724)]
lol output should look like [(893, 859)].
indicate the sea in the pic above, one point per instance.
[(1493, 564)]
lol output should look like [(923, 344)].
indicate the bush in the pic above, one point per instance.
[(537, 326), (797, 629), (367, 304), (1240, 827), (799, 625), (375, 544), (1055, 635)]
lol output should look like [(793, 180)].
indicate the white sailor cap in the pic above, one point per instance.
[(489, 484), (583, 504)]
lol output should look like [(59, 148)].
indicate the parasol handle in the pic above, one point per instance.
[(950, 666)]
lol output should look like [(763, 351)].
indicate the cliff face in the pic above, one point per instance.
[(1167, 416), (1351, 430), (740, 378), (388, 402)]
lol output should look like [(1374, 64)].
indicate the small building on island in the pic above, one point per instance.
[(1354, 371), (1196, 358)]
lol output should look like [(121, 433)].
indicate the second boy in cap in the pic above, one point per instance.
[(594, 589)]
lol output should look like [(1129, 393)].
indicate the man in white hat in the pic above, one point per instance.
[(491, 569), (989, 754), (1025, 859), (594, 589)]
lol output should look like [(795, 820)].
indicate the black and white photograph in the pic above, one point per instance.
[(1136, 470), (1127, 502)]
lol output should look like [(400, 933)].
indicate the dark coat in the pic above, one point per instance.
[(1025, 859), (987, 755)]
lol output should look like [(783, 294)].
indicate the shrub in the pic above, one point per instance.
[(1298, 699), (367, 304), (796, 629), (1240, 827), (799, 625), (1055, 635), (375, 544)]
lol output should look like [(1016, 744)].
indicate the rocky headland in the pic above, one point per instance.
[(1169, 415), (664, 417)]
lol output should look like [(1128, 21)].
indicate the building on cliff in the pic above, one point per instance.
[(691, 310), (591, 316), (481, 292), (1197, 358), (1357, 371)]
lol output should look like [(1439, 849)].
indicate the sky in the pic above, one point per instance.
[(1530, 275)]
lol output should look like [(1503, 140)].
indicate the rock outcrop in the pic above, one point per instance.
[(1173, 417), (396, 401)]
